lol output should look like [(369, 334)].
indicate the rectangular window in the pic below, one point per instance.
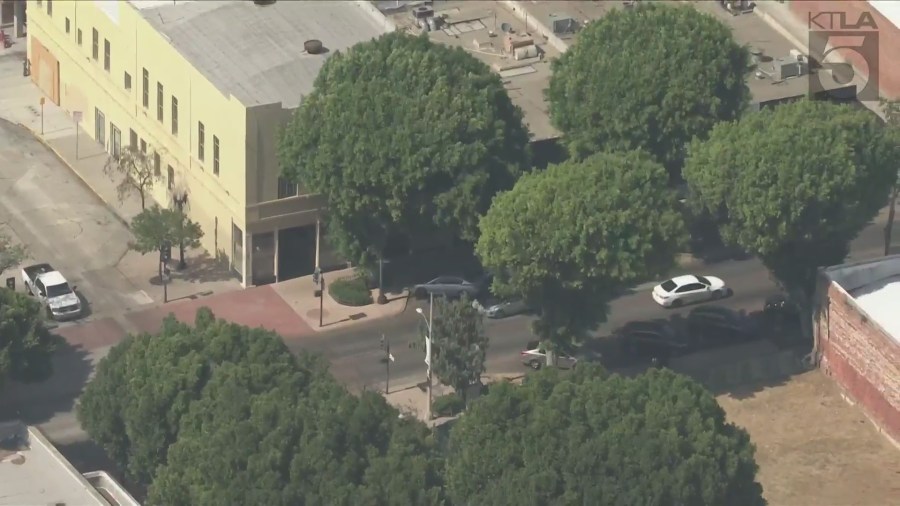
[(116, 141), (132, 139), (286, 188), (106, 53), (146, 85), (159, 101), (215, 155), (127, 81), (68, 26), (201, 141), (156, 163), (100, 127), (49, 7), (170, 178), (78, 36), (95, 48), (174, 115), (143, 146)]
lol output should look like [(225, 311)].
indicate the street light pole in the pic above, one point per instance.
[(321, 297), (428, 323)]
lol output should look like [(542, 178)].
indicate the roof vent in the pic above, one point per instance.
[(313, 46), (263, 2)]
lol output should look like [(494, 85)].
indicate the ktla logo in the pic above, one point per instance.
[(839, 43)]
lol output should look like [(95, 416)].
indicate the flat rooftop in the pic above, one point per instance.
[(875, 286), (479, 27), (255, 52), (32, 472)]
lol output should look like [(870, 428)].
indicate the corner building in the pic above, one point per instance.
[(206, 85)]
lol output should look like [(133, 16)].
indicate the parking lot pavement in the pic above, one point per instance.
[(62, 222)]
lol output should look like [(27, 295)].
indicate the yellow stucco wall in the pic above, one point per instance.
[(216, 201)]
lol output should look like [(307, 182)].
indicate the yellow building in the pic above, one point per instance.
[(206, 85)]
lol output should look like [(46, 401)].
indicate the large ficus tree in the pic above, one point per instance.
[(403, 136), (460, 345), (794, 185), (568, 239), (26, 346), (584, 438), (650, 78)]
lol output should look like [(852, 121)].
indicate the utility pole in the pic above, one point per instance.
[(388, 358), (428, 323), (321, 297), (165, 254)]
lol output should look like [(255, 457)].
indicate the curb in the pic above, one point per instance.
[(90, 187)]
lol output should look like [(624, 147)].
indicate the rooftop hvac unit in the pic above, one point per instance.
[(564, 25), (791, 66), (313, 46), (524, 52), (422, 12)]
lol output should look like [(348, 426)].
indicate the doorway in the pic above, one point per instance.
[(296, 252)]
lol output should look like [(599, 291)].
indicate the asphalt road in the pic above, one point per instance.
[(357, 358)]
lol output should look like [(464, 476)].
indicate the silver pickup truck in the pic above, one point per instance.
[(52, 289)]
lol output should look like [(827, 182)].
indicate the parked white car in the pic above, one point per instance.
[(689, 289), (52, 290)]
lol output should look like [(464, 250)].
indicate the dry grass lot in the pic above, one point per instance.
[(816, 449)]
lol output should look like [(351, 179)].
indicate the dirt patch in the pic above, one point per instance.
[(814, 448)]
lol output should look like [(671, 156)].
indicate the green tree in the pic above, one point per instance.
[(403, 136), (891, 110), (136, 172), (569, 239), (26, 346), (134, 405), (460, 344), (584, 438), (185, 233), (648, 78), (794, 185), (11, 254)]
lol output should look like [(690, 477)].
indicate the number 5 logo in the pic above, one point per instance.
[(832, 49)]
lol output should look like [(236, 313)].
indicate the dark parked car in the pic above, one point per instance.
[(447, 286), (656, 340), (716, 326)]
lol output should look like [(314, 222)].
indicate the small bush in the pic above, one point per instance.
[(350, 292), (448, 405)]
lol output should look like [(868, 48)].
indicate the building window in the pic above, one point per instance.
[(156, 163), (286, 188), (116, 141), (215, 155), (127, 81), (143, 146), (159, 101), (170, 178), (78, 35), (201, 141), (146, 85), (174, 115), (106, 52), (95, 49), (49, 7), (68, 26), (100, 127), (132, 139)]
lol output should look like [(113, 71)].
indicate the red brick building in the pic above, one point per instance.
[(885, 15), (857, 332)]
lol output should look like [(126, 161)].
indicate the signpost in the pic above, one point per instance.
[(76, 115), (42, 115), (319, 279), (165, 254)]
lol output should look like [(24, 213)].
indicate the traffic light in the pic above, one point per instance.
[(165, 252)]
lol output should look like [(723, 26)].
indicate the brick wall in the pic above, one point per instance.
[(888, 38), (858, 355)]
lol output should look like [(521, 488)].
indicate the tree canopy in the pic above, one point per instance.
[(11, 254), (217, 413), (584, 438), (26, 346), (649, 78), (460, 345), (795, 184), (568, 239), (401, 136)]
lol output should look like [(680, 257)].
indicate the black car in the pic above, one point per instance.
[(780, 311), (720, 326), (657, 340)]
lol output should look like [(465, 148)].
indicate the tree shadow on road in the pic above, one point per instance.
[(37, 403)]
